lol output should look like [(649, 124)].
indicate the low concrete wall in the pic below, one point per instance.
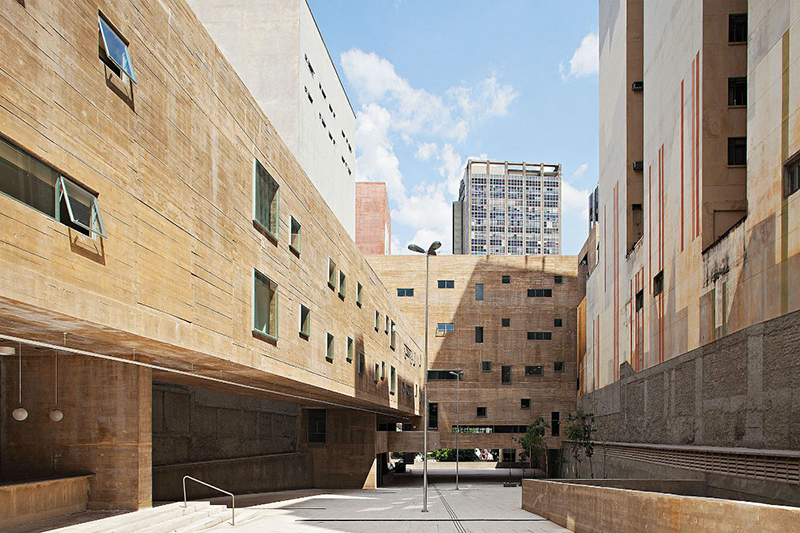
[(247, 475), (411, 441), (594, 509), (38, 500), (682, 487)]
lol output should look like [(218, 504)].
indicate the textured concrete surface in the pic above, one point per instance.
[(39, 500)]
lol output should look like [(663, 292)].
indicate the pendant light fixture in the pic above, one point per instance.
[(56, 415), (20, 413)]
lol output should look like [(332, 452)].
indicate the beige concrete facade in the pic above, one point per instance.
[(171, 160), (720, 272), (552, 391), (373, 219)]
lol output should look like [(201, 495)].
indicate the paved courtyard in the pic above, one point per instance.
[(482, 504)]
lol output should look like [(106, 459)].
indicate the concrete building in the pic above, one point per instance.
[(277, 50), (508, 208), (171, 281), (691, 309), (506, 323), (373, 219)]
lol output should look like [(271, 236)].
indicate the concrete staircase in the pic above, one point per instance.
[(170, 518)]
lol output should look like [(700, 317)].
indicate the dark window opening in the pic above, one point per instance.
[(505, 376), (639, 300), (558, 280), (481, 412), (558, 322), (658, 283), (405, 292), (506, 322), (540, 293), (737, 28), (486, 366), (317, 426), (793, 175), (506, 280), (446, 283), (540, 335), (444, 375), (534, 370), (433, 416), (737, 91), (737, 151), (362, 367), (478, 334), (555, 423), (525, 403), (558, 366)]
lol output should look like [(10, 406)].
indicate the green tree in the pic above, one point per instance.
[(532, 442), (465, 455), (580, 431)]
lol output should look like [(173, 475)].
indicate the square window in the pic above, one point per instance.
[(506, 280), (481, 412), (486, 366), (78, 208), (362, 366), (534, 370), (446, 283), (737, 28), (114, 50), (792, 171), (266, 208), (265, 305), (294, 243), (479, 291), (525, 403), (350, 350), (478, 334), (317, 425), (658, 283), (26, 179), (506, 322), (737, 91), (331, 274), (737, 151), (305, 321), (505, 375), (558, 280), (558, 366), (557, 322), (359, 293), (342, 285), (329, 348)]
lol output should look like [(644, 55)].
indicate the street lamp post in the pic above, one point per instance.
[(458, 417), (431, 251)]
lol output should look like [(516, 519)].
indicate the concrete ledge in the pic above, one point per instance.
[(586, 508), (247, 475), (23, 502)]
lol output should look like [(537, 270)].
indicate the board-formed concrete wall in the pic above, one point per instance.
[(738, 391), (192, 424)]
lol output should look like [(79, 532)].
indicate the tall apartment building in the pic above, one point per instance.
[(692, 304), (508, 208), (278, 52), (507, 326), (174, 290)]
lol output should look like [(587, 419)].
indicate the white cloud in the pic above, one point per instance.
[(426, 150), (578, 174), (394, 111), (585, 60), (574, 202)]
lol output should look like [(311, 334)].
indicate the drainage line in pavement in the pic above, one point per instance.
[(459, 527)]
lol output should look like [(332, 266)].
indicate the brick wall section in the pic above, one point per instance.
[(372, 218)]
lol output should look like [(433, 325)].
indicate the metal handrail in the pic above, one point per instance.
[(233, 498)]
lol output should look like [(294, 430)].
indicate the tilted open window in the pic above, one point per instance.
[(115, 49), (78, 208)]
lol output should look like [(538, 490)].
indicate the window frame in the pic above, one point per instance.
[(392, 380), (350, 350), (558, 322), (478, 334), (403, 292), (305, 322), (791, 166), (393, 335), (479, 293), (558, 366), (505, 322), (505, 280), (96, 226), (505, 369), (342, 284), (295, 239), (737, 146), (330, 346), (531, 370), (737, 86), (486, 366), (446, 284), (362, 364), (331, 274), (522, 403), (359, 293), (478, 411), (733, 29), (274, 203), (102, 21), (377, 321), (272, 312), (433, 406)]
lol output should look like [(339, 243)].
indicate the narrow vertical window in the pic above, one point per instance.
[(317, 425), (294, 243), (329, 348), (265, 306), (362, 364), (737, 28), (377, 321), (350, 350), (393, 336), (505, 374), (737, 91), (479, 291), (266, 208), (433, 416), (305, 321), (555, 423), (737, 151), (331, 274), (392, 380), (376, 372), (479, 334), (342, 285), (793, 175), (359, 293)]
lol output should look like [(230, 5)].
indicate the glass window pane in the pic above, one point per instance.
[(266, 200), (116, 49), (27, 179), (265, 308)]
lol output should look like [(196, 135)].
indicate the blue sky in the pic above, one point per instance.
[(435, 82)]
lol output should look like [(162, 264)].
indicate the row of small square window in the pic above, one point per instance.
[(450, 284)]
